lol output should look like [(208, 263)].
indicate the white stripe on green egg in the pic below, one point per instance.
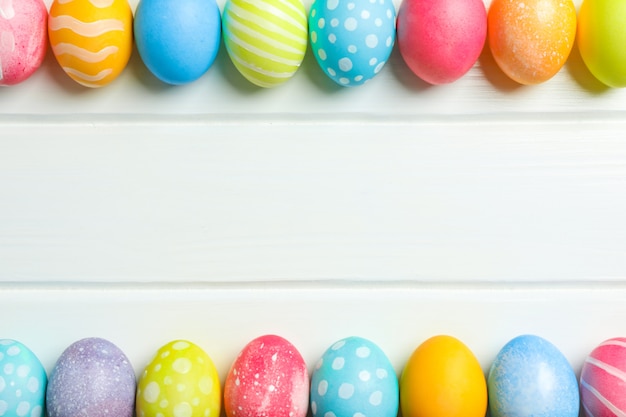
[(265, 39), (351, 39)]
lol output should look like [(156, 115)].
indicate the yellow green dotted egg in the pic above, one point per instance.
[(265, 39), (181, 381)]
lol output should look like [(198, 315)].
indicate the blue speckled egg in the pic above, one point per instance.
[(351, 39), (94, 378), (22, 381), (178, 40), (354, 378), (531, 377)]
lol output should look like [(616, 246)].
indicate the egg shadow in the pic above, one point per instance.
[(53, 70), (140, 72), (579, 72), (493, 74), (227, 70), (316, 75), (403, 74)]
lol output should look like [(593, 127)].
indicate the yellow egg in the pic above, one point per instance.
[(91, 39), (181, 381), (443, 378)]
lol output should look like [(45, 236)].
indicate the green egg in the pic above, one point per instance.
[(265, 39), (602, 39)]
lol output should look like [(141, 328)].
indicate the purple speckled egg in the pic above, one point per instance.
[(92, 378)]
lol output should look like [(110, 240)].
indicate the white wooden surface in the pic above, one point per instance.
[(218, 211)]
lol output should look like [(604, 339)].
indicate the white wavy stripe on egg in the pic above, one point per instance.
[(86, 29), (266, 40), (100, 4)]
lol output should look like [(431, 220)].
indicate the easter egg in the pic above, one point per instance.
[(23, 39), (22, 381), (269, 378), (440, 40), (177, 40), (601, 40), (352, 40), (443, 378), (92, 377), (531, 377), (603, 379), (265, 39), (531, 39), (180, 381), (91, 39), (354, 378)]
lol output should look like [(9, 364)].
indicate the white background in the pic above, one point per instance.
[(218, 211)]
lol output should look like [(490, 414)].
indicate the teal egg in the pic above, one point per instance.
[(23, 381)]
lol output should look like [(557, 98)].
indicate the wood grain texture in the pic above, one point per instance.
[(259, 202)]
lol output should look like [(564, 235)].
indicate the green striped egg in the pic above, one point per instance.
[(265, 39)]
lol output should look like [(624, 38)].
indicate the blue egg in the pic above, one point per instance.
[(23, 381), (531, 377), (177, 40), (354, 378), (352, 39)]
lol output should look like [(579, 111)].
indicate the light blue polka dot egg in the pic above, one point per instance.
[(352, 39), (531, 377), (23, 381), (354, 378)]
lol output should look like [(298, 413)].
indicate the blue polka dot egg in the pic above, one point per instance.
[(352, 39), (354, 378), (23, 381)]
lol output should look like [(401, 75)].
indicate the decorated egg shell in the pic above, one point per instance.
[(22, 381), (354, 378), (531, 377), (530, 40), (601, 38), (265, 39), (91, 39), (23, 39), (180, 381), (352, 39), (603, 380), (443, 378), (177, 40), (440, 40), (269, 378), (92, 377)]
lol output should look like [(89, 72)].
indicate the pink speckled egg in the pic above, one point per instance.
[(603, 380), (23, 39), (269, 378), (440, 40)]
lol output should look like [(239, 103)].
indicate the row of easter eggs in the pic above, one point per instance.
[(353, 378), (440, 40)]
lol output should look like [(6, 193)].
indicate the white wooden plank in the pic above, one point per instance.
[(458, 202)]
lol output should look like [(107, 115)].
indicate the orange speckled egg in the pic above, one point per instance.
[(91, 39), (443, 378), (531, 39)]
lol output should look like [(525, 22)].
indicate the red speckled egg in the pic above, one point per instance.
[(603, 380), (531, 39), (269, 378), (440, 40)]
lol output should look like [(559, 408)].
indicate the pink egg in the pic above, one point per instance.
[(440, 40), (603, 379), (269, 378), (23, 39)]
